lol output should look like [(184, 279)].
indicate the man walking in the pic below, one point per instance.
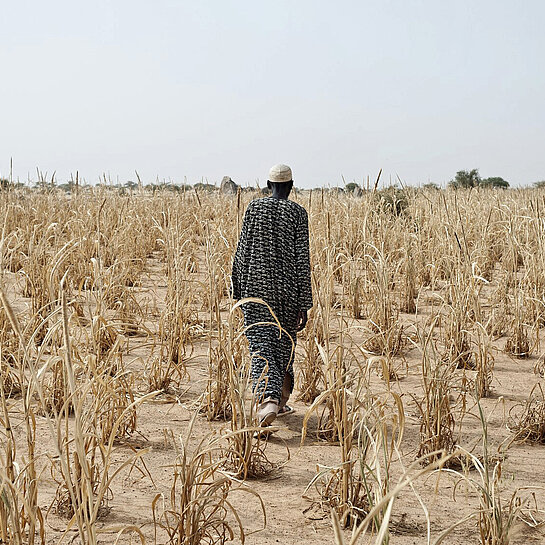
[(272, 263)]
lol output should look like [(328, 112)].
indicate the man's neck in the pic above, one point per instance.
[(280, 195)]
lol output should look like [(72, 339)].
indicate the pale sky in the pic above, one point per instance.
[(206, 88)]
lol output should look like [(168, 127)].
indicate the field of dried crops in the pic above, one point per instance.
[(125, 412)]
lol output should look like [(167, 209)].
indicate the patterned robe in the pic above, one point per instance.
[(272, 262)]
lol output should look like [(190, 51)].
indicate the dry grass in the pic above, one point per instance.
[(528, 420), (199, 509), (84, 349)]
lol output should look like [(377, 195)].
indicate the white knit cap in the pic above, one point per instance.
[(280, 173)]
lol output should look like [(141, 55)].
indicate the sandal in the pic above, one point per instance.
[(286, 409)]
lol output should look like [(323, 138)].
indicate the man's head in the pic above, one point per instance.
[(280, 179)]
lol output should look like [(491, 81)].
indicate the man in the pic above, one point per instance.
[(272, 263)]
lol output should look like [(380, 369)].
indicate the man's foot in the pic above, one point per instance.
[(267, 412), (286, 409), (283, 407)]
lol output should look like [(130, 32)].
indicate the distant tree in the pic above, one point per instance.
[(68, 187), (4, 183), (430, 185), (164, 186), (393, 200), (205, 187), (175, 188), (495, 181), (466, 179), (351, 187), (540, 184)]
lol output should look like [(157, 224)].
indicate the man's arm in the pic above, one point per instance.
[(238, 260), (302, 319)]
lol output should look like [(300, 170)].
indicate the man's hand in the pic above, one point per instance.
[(301, 320)]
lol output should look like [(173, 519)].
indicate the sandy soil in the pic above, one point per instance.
[(291, 518)]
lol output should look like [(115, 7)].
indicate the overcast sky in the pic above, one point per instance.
[(207, 88)]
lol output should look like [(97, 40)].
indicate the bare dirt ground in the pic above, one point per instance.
[(292, 518)]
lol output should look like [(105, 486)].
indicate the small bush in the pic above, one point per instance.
[(393, 200)]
